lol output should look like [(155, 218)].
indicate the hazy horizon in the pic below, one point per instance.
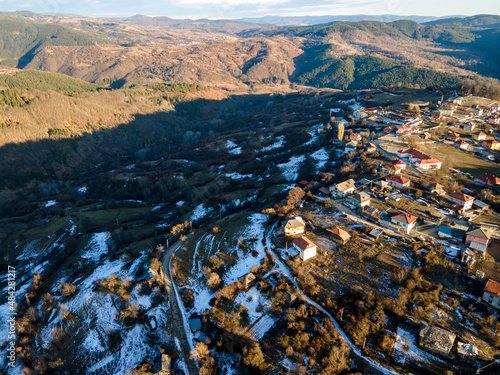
[(225, 9)]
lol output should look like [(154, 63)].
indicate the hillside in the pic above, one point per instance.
[(486, 21), (21, 39), (36, 80)]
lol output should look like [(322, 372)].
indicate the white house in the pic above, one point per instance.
[(469, 126), (491, 293), (462, 199), (342, 189), (294, 226), (405, 221), (398, 181), (429, 164), (307, 248)]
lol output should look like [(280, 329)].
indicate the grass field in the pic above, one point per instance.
[(460, 159)]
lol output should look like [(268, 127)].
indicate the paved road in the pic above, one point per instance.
[(176, 312)]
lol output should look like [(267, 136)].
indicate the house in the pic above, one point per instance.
[(463, 200), (405, 153), (416, 156), (381, 184), (479, 136), (452, 136), (371, 148), (392, 169), (493, 119), (339, 235), (458, 100), (487, 179), (195, 324), (469, 126), (436, 188), (468, 257), (478, 238), (398, 181), (356, 137), (451, 232), (350, 147), (436, 339), (294, 226), (405, 221), (389, 129), (399, 163), (491, 293), (462, 145), (375, 233), (478, 112), (342, 189), (306, 248), (491, 144), (429, 164), (372, 214), (467, 350), (247, 279), (359, 200), (447, 110)]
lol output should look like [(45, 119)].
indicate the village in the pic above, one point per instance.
[(402, 203), (397, 246)]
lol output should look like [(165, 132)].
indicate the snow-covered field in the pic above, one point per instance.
[(322, 157), (200, 212), (98, 245), (280, 141), (95, 314), (291, 169)]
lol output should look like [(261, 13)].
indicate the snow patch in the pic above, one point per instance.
[(291, 169), (200, 212), (97, 246), (50, 203), (237, 176)]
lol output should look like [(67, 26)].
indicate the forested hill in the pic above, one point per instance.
[(486, 21), (21, 39), (401, 28)]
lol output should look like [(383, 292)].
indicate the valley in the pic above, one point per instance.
[(219, 197)]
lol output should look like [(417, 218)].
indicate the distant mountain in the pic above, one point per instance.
[(21, 39), (193, 25), (486, 21), (315, 20)]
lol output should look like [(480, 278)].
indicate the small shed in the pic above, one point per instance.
[(195, 324), (247, 279), (339, 235)]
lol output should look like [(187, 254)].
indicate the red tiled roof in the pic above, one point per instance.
[(493, 287), (405, 151), (405, 218), (461, 196), (489, 179), (397, 162), (418, 154), (398, 179), (303, 243), (430, 161)]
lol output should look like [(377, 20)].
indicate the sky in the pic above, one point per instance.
[(218, 9)]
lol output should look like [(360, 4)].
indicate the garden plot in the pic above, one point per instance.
[(252, 299), (406, 348)]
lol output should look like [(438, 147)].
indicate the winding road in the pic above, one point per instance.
[(176, 311)]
